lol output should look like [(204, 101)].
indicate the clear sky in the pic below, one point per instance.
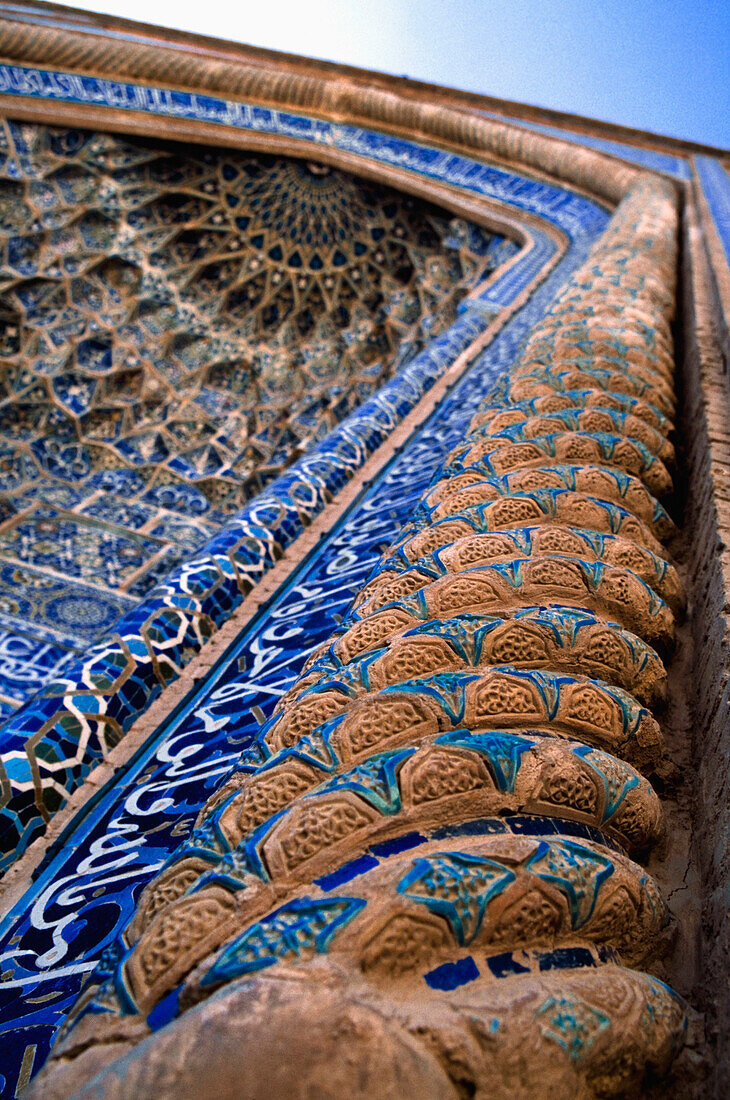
[(661, 65)]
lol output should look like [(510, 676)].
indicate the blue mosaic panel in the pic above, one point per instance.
[(566, 208), (51, 539), (54, 609), (55, 935)]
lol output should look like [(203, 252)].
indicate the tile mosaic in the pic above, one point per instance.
[(189, 535), (68, 545), (65, 610), (273, 295), (117, 510), (27, 663), (158, 570), (247, 346), (45, 492)]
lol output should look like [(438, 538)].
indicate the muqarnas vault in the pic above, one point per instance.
[(370, 438)]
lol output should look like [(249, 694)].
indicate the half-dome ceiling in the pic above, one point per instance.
[(178, 324)]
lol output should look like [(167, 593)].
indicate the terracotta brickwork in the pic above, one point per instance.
[(707, 416), (435, 843)]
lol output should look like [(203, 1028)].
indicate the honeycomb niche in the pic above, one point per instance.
[(177, 325)]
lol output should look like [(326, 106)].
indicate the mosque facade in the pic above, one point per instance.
[(364, 583)]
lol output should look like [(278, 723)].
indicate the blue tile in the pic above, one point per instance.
[(450, 976), (347, 872), (506, 964)]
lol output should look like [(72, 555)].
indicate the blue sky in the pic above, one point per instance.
[(661, 65)]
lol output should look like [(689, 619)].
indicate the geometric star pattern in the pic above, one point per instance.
[(179, 324)]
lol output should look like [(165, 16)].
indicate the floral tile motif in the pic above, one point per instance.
[(65, 610), (69, 545), (47, 492), (116, 510), (188, 534)]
